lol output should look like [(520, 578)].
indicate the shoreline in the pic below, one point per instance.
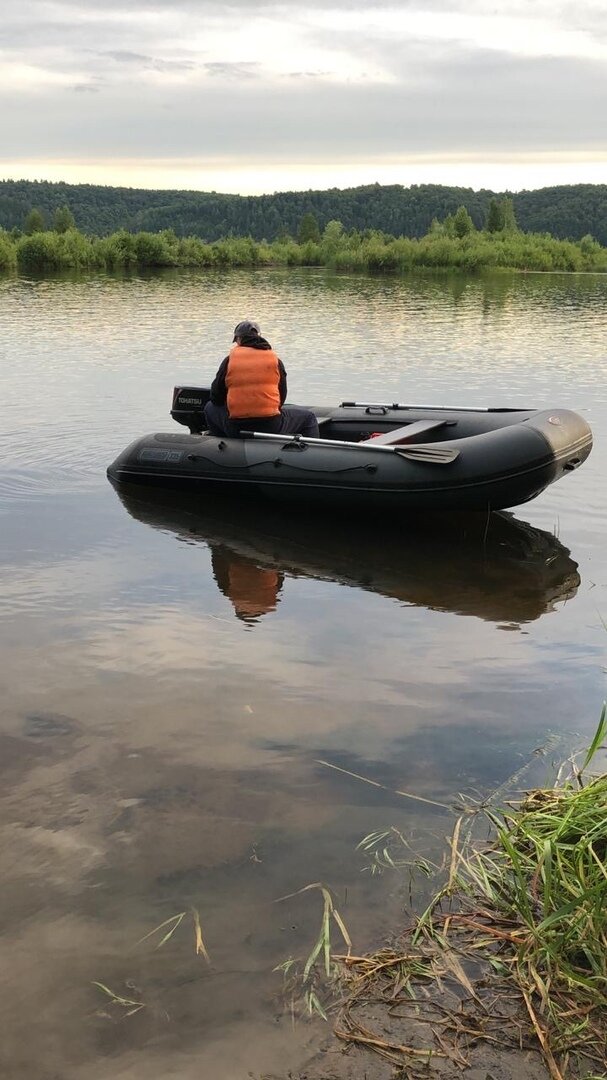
[(365, 252), (504, 973)]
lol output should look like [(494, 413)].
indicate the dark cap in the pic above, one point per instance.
[(244, 328)]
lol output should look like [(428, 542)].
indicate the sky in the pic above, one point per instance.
[(262, 96)]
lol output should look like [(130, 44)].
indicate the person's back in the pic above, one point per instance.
[(250, 388), (256, 381)]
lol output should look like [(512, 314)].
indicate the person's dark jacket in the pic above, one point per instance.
[(219, 390)]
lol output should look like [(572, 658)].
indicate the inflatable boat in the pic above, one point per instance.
[(499, 570), (384, 457)]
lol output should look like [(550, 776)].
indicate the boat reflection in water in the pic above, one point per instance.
[(495, 568)]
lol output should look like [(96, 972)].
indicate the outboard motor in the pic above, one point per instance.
[(188, 405)]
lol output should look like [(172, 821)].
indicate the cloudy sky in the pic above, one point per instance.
[(265, 96)]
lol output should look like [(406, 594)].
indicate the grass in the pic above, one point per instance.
[(511, 951), (530, 906), (538, 892)]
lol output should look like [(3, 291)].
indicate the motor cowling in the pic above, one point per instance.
[(188, 406)]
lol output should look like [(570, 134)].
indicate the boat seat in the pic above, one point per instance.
[(406, 433)]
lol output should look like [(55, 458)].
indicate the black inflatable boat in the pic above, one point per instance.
[(371, 456)]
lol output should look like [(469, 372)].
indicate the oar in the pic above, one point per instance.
[(432, 455), (429, 453)]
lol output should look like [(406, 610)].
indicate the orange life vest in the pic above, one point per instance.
[(252, 382)]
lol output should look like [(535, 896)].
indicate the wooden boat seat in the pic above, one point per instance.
[(406, 433)]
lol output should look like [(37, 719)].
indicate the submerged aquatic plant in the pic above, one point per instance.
[(172, 924), (128, 1004), (384, 849), (303, 984)]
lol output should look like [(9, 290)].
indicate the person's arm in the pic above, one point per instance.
[(282, 382), (219, 390)]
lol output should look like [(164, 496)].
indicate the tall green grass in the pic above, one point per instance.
[(542, 885)]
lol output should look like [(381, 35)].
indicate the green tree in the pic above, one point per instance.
[(589, 246), (449, 225), (34, 222), (8, 252), (39, 251), (510, 224), (308, 229), (332, 237), (76, 250), (568, 211), (152, 249), (118, 249), (63, 219), (495, 216), (462, 222)]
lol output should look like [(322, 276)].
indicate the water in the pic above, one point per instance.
[(173, 674)]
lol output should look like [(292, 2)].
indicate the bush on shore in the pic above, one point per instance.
[(368, 251)]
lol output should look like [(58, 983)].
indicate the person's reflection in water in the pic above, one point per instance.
[(254, 590)]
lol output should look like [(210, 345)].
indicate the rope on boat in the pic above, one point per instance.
[(279, 463)]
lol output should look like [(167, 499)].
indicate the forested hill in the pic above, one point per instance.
[(568, 212)]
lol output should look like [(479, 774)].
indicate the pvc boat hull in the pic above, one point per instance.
[(488, 459)]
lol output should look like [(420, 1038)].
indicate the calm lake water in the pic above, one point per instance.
[(174, 674)]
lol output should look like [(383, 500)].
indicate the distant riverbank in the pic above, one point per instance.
[(448, 245)]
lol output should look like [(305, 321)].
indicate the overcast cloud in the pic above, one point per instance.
[(150, 88)]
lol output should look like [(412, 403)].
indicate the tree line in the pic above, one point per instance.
[(453, 242), (567, 212)]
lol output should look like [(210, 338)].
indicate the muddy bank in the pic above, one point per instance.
[(480, 1039), (446, 1032)]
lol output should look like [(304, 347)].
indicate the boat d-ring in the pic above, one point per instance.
[(297, 443), (377, 410)]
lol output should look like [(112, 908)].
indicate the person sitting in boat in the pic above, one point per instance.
[(249, 391)]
